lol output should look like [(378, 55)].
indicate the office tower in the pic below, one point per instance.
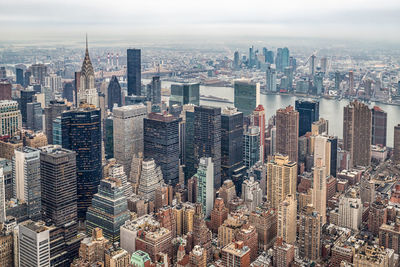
[(236, 60), (350, 210), (357, 133), (109, 138), (114, 94), (150, 179), (396, 144), (189, 159), (201, 234), (19, 75), (228, 230), (115, 170), (379, 126), (318, 83), (285, 58), (34, 118), (2, 197), (187, 93), (27, 184), (320, 127), (259, 120), (283, 254), (377, 215), (156, 90), (236, 254), (322, 152), (10, 118), (308, 113), (251, 193), (68, 92), (278, 60), (5, 90), (51, 112), (312, 64), (87, 92), (324, 64), (338, 80), (287, 132), (27, 96), (27, 78), (218, 214), (59, 184), (161, 142), (128, 133), (207, 138), (247, 96), (351, 82), (319, 189), (81, 132), (134, 72), (227, 191), (333, 140), (310, 233), (287, 214), (109, 209), (205, 185), (281, 179), (33, 244), (271, 80), (251, 146), (264, 219), (53, 82), (39, 72)]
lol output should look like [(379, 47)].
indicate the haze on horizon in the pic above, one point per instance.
[(29, 20)]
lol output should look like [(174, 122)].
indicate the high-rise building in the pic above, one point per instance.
[(308, 113), (264, 219), (379, 126), (109, 209), (310, 227), (333, 140), (189, 159), (287, 132), (322, 152), (259, 120), (218, 214), (58, 184), (134, 72), (283, 253), (247, 96), (351, 82), (350, 210), (51, 112), (201, 234), (156, 90), (2, 196), (251, 146), (161, 142), (227, 191), (19, 75), (87, 92), (285, 58), (150, 179), (5, 90), (236, 60), (205, 185), (389, 235), (287, 214), (140, 259), (33, 244), (319, 189), (27, 96), (198, 257), (128, 133), (251, 193), (81, 132), (338, 80), (27, 183), (281, 179), (357, 133), (207, 138), (236, 254), (231, 143), (320, 127), (187, 93), (10, 118), (34, 119), (115, 170), (271, 80), (377, 215), (39, 72), (396, 144), (114, 94)]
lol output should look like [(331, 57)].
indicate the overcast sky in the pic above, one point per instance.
[(356, 19)]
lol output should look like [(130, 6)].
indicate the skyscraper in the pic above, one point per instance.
[(27, 96), (287, 132), (379, 126), (236, 60), (319, 189), (357, 133), (271, 79), (58, 184), (187, 93), (396, 144), (285, 58), (87, 92), (205, 185), (351, 82), (2, 196), (51, 112), (128, 134), (287, 214), (333, 140), (281, 179), (251, 146), (19, 75), (114, 93), (34, 119), (150, 179), (156, 90), (247, 96), (10, 118), (201, 234), (5, 90), (81, 132), (27, 183), (251, 193), (207, 138), (338, 80), (310, 233), (350, 210), (189, 159), (308, 113), (109, 209), (259, 120), (134, 71), (161, 142), (231, 143)]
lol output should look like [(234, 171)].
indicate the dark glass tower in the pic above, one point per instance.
[(182, 94), (308, 113), (81, 132), (134, 72), (19, 73), (207, 138), (51, 112), (231, 143), (34, 118), (156, 90), (27, 96), (379, 126), (161, 142), (189, 159), (109, 140), (114, 93), (334, 145)]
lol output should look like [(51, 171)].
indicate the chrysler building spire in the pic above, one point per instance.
[(87, 91)]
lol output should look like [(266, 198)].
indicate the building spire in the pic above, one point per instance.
[(86, 43)]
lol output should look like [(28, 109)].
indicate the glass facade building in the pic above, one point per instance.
[(247, 96), (308, 113), (134, 72), (182, 94), (114, 94)]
